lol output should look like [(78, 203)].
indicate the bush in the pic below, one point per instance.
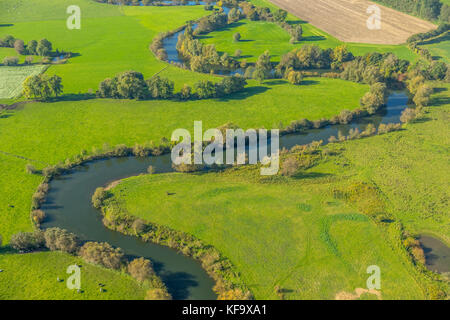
[(141, 269), (236, 37), (235, 294), (38, 216), (158, 294), (295, 77), (60, 239), (290, 167), (103, 254), (10, 61), (27, 241), (30, 169), (408, 115), (99, 196)]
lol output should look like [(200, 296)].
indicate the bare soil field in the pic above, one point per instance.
[(347, 20)]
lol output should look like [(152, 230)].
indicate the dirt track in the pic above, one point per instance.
[(346, 20)]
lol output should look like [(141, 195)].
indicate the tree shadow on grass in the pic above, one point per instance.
[(310, 175), (308, 82), (248, 92), (313, 38), (73, 97), (6, 25)]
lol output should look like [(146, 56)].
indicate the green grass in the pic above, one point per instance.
[(410, 168), (11, 79), (34, 276), (112, 39), (439, 47), (264, 229)]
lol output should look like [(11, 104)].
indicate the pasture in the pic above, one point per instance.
[(34, 276)]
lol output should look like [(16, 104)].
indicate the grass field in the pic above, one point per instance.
[(34, 276), (259, 36), (347, 20), (11, 79), (236, 214)]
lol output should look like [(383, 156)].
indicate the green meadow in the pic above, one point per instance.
[(34, 276)]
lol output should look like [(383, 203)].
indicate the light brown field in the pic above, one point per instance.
[(347, 20)]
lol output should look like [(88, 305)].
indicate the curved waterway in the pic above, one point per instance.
[(68, 205)]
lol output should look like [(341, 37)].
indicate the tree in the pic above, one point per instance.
[(160, 88), (131, 85), (9, 41), (296, 33), (27, 241), (37, 216), (60, 239), (28, 59), (32, 47), (295, 77), (55, 85), (408, 115), (280, 15), (438, 69), (236, 37), (44, 47), (445, 13), (290, 167), (205, 89), (103, 254), (141, 269), (32, 87), (98, 197), (10, 61), (234, 15), (19, 46), (186, 92), (422, 96)]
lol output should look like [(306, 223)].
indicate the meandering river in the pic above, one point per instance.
[(69, 206)]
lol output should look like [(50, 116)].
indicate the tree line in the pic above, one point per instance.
[(427, 9), (132, 85), (42, 86)]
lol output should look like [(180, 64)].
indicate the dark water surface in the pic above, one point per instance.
[(437, 254)]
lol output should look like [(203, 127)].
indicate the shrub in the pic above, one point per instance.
[(158, 294), (37, 216), (99, 196), (103, 254), (30, 169), (235, 294), (11, 61), (236, 37), (60, 239), (290, 167), (141, 269), (150, 170), (295, 77), (408, 115), (422, 96), (27, 241)]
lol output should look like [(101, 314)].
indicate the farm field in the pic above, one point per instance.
[(11, 79), (346, 20), (281, 233)]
